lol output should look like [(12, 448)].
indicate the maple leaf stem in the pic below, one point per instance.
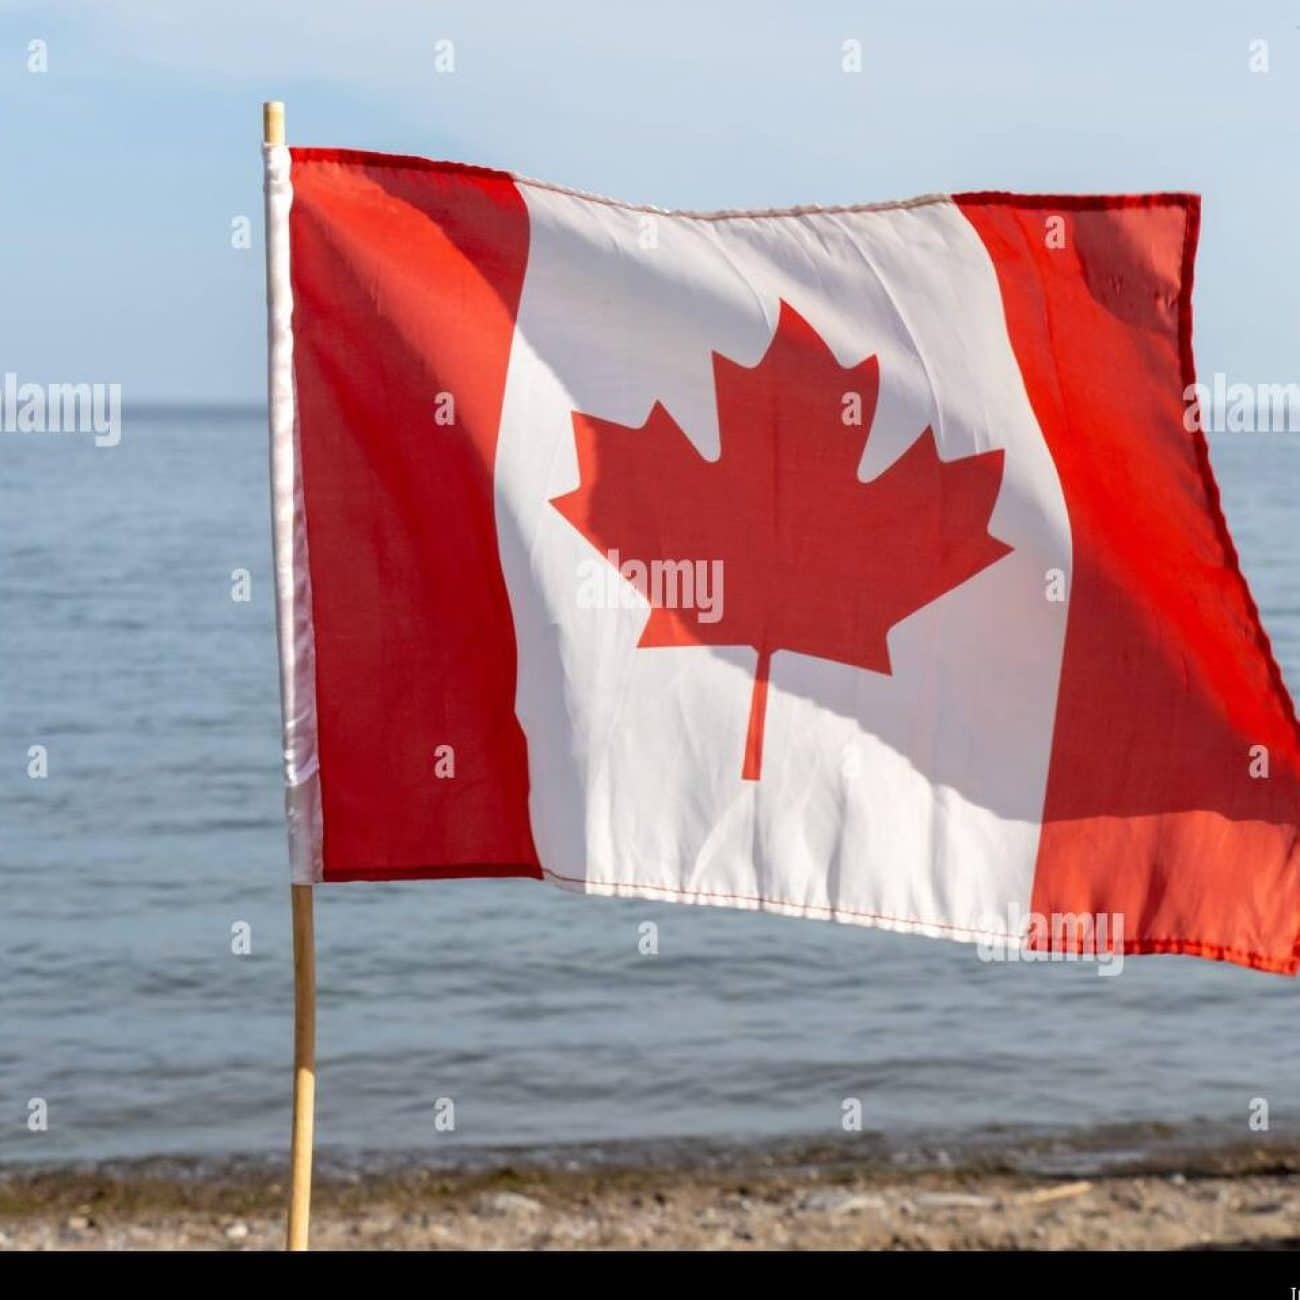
[(757, 716)]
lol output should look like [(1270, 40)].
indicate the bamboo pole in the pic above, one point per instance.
[(304, 1065), (272, 122), (304, 967)]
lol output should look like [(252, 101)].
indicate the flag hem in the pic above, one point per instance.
[(412, 162), (915, 925), (294, 632), (780, 907)]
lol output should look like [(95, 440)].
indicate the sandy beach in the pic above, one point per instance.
[(1244, 1199)]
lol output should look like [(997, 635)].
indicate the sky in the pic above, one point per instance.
[(127, 160)]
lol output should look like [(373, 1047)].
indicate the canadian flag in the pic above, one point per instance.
[(859, 563)]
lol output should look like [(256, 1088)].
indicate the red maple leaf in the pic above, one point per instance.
[(814, 560)]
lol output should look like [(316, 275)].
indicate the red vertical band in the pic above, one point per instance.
[(1154, 807), (406, 280)]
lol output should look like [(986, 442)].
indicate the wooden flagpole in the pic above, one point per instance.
[(304, 1065), (304, 965)]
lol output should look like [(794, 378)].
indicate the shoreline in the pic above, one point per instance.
[(1245, 1196)]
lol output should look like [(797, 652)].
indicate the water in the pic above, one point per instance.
[(159, 828)]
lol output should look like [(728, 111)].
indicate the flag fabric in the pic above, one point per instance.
[(861, 563)]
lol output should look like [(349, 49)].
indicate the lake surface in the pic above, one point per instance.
[(160, 827)]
